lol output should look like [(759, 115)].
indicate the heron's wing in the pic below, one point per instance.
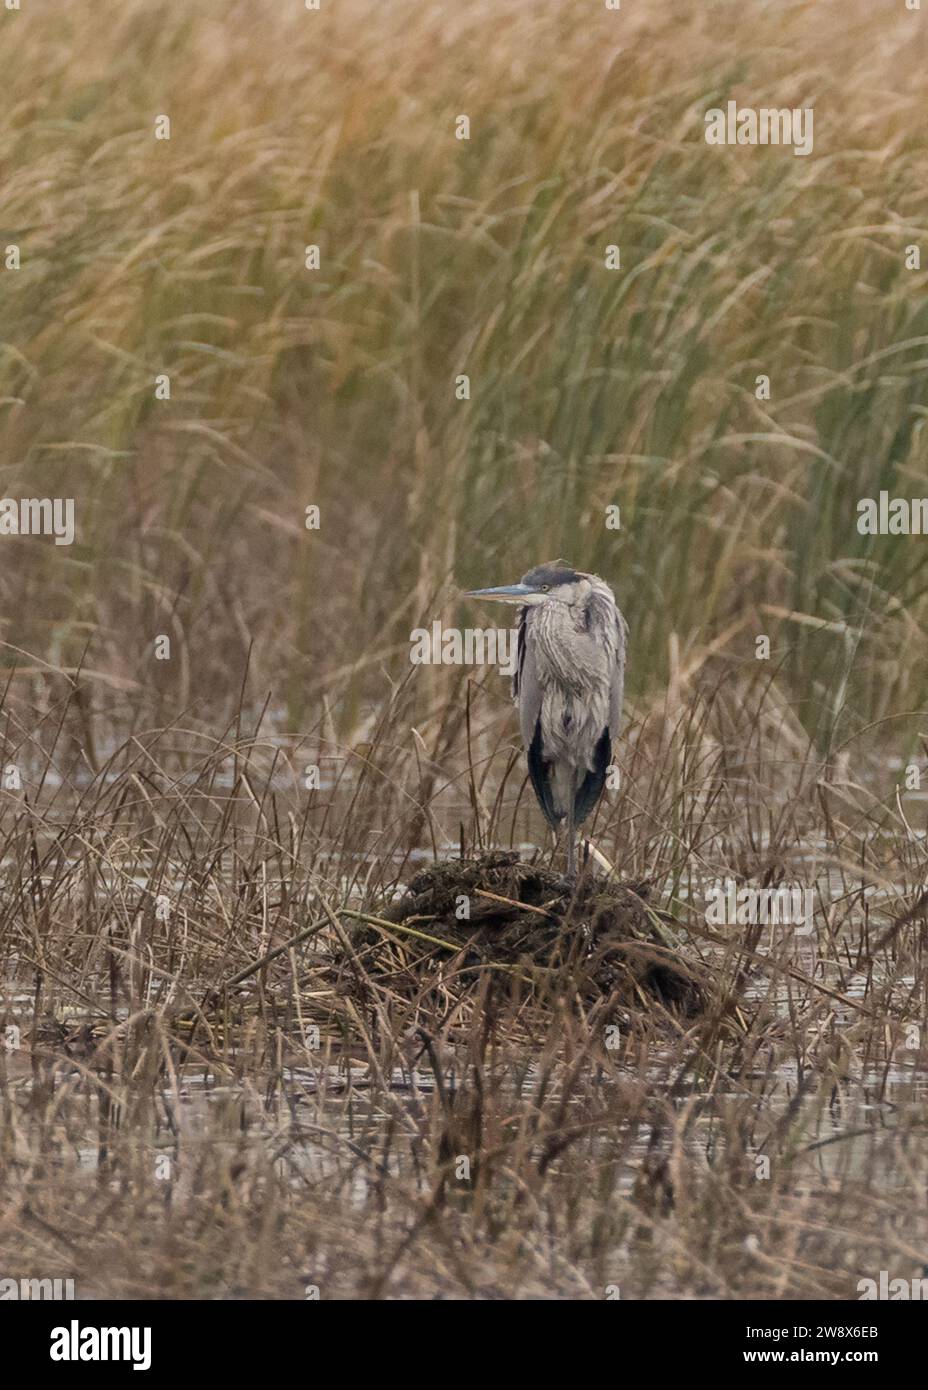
[(591, 788), (540, 773), (617, 682), (526, 689)]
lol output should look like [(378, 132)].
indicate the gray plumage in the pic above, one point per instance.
[(568, 686)]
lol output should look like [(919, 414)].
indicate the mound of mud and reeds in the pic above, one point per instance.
[(594, 936)]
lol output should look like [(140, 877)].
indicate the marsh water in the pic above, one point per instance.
[(327, 1113)]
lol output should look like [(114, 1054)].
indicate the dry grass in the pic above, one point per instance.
[(336, 387), (607, 1140)]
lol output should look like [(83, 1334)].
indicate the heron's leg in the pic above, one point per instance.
[(571, 843)]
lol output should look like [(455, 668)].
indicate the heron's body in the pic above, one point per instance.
[(568, 686)]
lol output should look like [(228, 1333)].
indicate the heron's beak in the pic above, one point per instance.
[(504, 593)]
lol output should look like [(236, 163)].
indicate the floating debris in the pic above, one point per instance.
[(593, 936)]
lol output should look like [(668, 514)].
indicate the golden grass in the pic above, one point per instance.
[(336, 387)]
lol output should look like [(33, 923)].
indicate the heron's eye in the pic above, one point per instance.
[(544, 588)]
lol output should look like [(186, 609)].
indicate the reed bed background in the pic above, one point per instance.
[(336, 387)]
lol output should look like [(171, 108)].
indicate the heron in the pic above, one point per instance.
[(568, 686)]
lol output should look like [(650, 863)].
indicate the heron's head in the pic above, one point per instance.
[(555, 582)]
